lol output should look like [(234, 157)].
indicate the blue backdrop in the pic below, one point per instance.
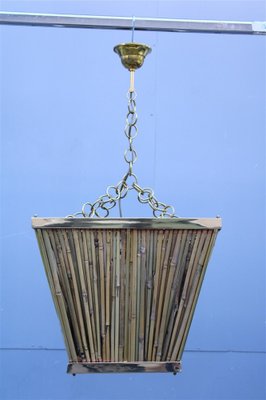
[(201, 146)]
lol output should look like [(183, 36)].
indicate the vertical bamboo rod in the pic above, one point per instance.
[(202, 245), (138, 294), (107, 298), (179, 268), (113, 296), (164, 333), (213, 235), (67, 277), (122, 297), (70, 346), (196, 273), (183, 263), (155, 292), (57, 288), (89, 290), (142, 309), (75, 279), (127, 291), (102, 291), (79, 288), (169, 308), (193, 262), (149, 288), (175, 300), (160, 323), (117, 293), (96, 296), (133, 305), (175, 280), (88, 325), (157, 306)]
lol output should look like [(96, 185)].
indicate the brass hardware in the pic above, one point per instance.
[(132, 55)]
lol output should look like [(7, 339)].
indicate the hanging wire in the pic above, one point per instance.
[(133, 28)]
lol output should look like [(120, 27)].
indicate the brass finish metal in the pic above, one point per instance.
[(132, 55)]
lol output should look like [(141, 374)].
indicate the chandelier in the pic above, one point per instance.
[(125, 289)]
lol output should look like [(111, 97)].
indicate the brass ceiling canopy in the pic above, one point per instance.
[(132, 55)]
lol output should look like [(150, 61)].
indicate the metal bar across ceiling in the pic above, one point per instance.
[(127, 23)]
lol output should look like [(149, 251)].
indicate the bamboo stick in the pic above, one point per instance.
[(130, 289), (66, 276), (142, 310), (58, 293), (183, 264), (55, 255), (180, 307), (160, 323), (60, 308), (133, 304), (178, 280), (122, 297), (127, 293), (177, 306), (82, 254), (169, 306), (203, 266), (138, 294), (74, 274), (155, 292), (102, 291), (202, 243), (149, 287), (96, 296), (107, 306), (84, 295), (163, 270), (113, 291), (195, 277), (117, 293), (87, 276)]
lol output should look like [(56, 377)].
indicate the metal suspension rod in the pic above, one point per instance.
[(141, 24)]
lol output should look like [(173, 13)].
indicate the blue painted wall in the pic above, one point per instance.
[(201, 146)]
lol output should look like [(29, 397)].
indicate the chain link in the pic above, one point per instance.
[(114, 193)]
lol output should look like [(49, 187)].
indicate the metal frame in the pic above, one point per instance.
[(111, 367), (128, 223), (127, 23)]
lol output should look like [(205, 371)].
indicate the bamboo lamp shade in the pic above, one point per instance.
[(125, 290)]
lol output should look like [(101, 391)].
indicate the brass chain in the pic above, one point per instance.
[(115, 193)]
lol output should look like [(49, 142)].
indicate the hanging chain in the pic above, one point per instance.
[(115, 193)]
